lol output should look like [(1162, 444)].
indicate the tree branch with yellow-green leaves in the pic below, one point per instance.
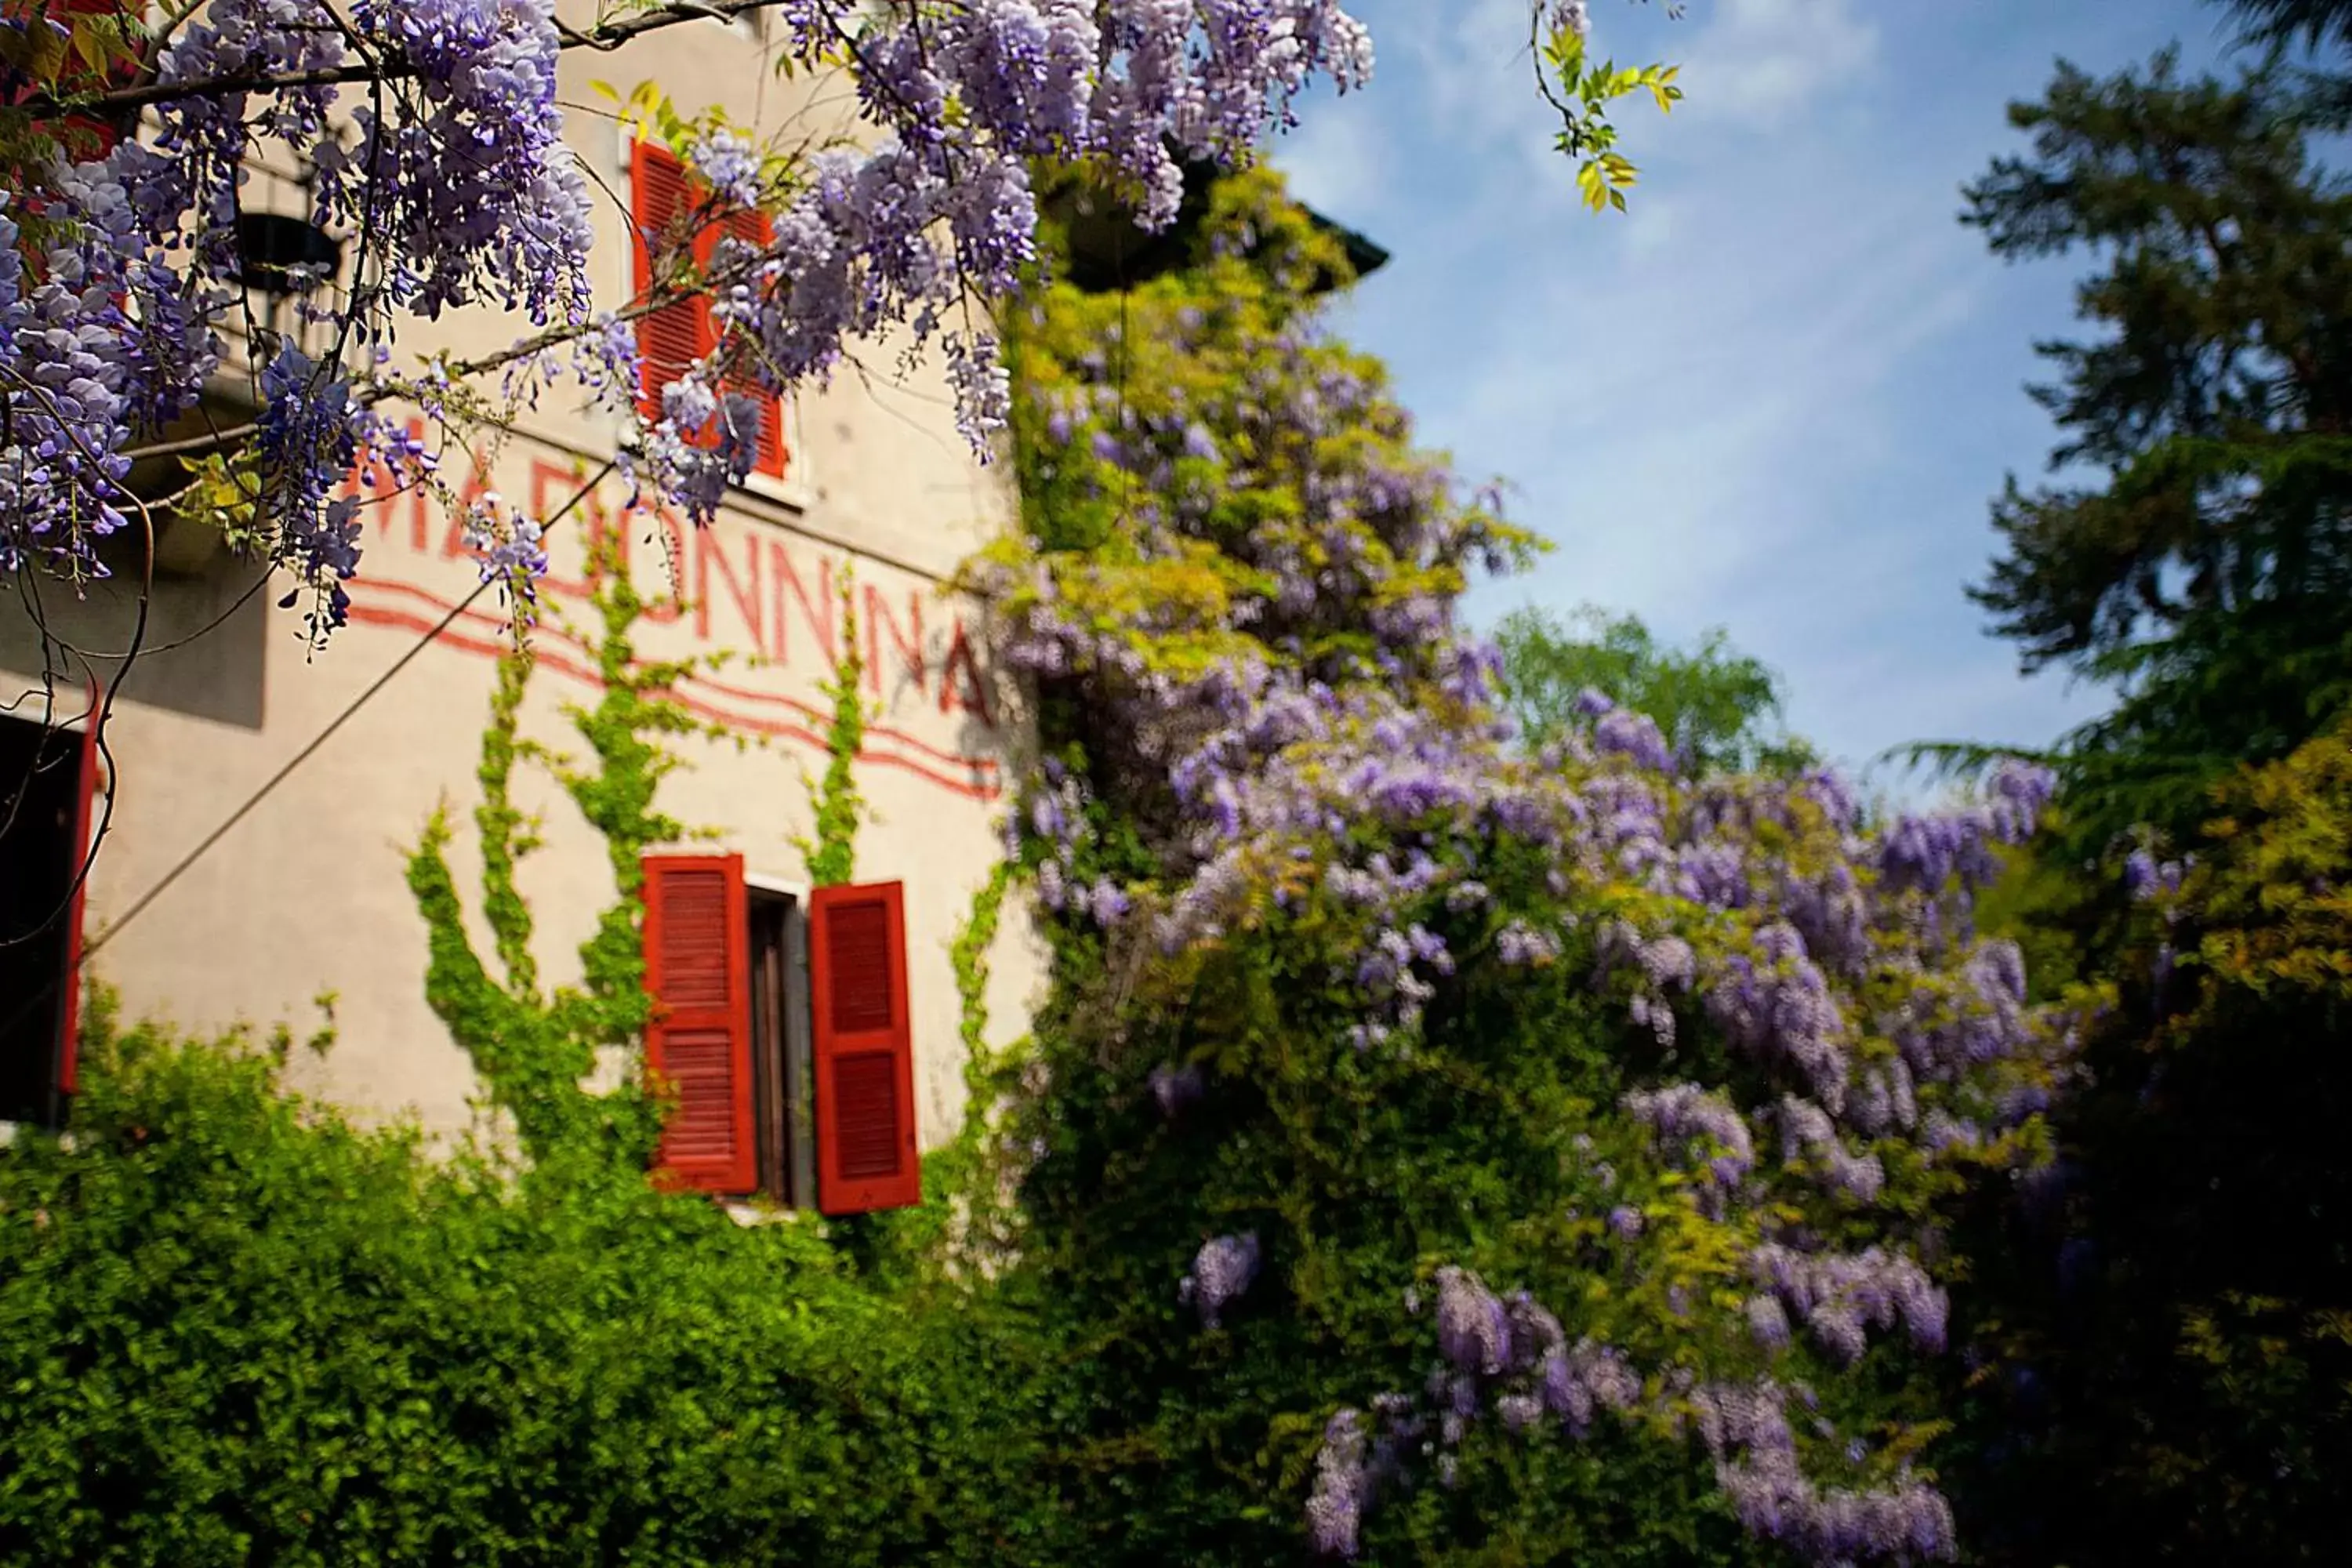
[(1581, 91)]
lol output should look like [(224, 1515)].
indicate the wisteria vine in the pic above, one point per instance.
[(435, 148), (1277, 729)]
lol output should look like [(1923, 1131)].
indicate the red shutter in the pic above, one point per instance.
[(755, 229), (866, 1157), (698, 972), (674, 337), (84, 822), (109, 129)]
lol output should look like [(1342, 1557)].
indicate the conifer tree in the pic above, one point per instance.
[(2202, 561)]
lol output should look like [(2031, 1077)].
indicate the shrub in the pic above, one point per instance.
[(2167, 1337), (236, 1328)]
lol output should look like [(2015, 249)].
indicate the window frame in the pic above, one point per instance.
[(758, 1054), (794, 489)]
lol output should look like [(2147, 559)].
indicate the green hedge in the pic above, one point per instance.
[(235, 1329)]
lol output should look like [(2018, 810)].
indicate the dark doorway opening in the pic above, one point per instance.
[(42, 785), (781, 1073)]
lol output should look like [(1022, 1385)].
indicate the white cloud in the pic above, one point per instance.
[(1708, 384), (1334, 161), (1763, 398), (1758, 62), (1464, 52), (1713, 431)]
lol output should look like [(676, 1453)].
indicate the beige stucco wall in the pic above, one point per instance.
[(307, 893)]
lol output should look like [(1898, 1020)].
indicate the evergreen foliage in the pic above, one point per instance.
[(2204, 566), (2158, 1366)]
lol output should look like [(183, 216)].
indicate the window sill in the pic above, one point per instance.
[(792, 494), (751, 1216)]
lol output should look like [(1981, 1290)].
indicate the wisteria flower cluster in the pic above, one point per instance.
[(1221, 1273), (75, 363), (1509, 1355), (448, 181), (870, 241), (1746, 1432), (434, 149), (1227, 597)]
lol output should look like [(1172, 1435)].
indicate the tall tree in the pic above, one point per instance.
[(2159, 1341), (1720, 708), (2204, 563), (2312, 22)]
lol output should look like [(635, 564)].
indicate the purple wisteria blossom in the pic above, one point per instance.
[(1809, 1137), (1636, 737), (1222, 1272), (1839, 1296), (1473, 1328), (1335, 1512), (447, 178), (508, 546), (1746, 1429), (2147, 878), (1521, 943), (1174, 1088), (1689, 1113)]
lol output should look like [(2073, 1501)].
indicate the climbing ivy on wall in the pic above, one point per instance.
[(534, 1047), (830, 852)]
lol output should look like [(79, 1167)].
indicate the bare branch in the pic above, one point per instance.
[(211, 440)]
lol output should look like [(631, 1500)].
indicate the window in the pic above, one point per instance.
[(87, 136), (663, 200), (47, 780), (781, 1028)]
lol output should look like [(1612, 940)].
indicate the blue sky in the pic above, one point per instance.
[(1779, 394)]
